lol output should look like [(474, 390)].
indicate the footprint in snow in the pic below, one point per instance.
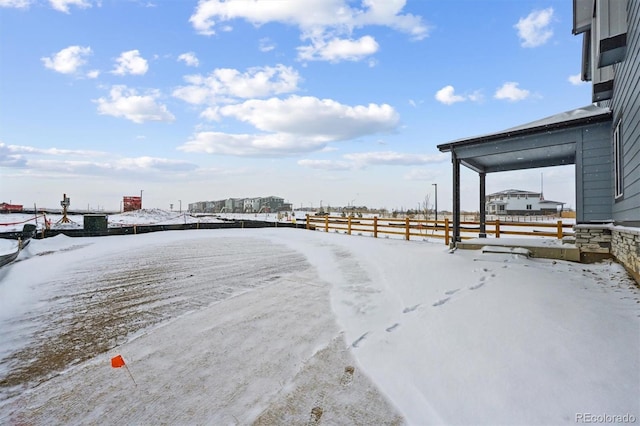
[(441, 301), (477, 286), (393, 327), (347, 376), (410, 309), (450, 292), (357, 342)]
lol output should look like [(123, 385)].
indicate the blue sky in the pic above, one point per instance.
[(336, 101)]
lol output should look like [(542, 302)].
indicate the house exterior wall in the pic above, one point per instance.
[(625, 103), (594, 180), (620, 239)]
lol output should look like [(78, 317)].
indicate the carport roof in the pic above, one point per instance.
[(550, 141)]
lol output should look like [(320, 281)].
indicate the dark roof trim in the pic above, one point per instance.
[(567, 124)]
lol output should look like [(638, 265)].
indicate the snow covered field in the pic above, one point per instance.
[(264, 326)]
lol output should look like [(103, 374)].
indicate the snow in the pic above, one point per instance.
[(240, 326), (8, 246)]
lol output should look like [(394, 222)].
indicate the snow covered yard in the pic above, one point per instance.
[(262, 326)]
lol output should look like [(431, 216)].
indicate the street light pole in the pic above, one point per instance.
[(180, 201), (436, 200), (141, 198)]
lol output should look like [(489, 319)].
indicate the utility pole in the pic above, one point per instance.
[(141, 198), (436, 200)]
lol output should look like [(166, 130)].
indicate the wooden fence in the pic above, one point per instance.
[(408, 228)]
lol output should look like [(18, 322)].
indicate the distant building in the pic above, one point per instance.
[(131, 203), (7, 208), (234, 205), (241, 205), (271, 204), (518, 202)]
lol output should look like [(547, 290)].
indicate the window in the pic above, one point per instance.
[(528, 206), (501, 207), (617, 160)]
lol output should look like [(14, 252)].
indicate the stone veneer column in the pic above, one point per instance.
[(597, 242)]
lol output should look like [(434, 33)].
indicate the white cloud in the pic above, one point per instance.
[(266, 45), (447, 96), (131, 62), (63, 5), (18, 4), (534, 29), (576, 80), (10, 157), (336, 50), (190, 59), (327, 23), (363, 159), (325, 119), (68, 60), (292, 126), (119, 166), (18, 156), (224, 84), (394, 158), (326, 164), (211, 113), (511, 92), (476, 96), (93, 74), (22, 149), (251, 145), (126, 103), (153, 163), (310, 15)]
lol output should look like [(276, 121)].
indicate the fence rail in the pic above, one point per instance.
[(434, 229)]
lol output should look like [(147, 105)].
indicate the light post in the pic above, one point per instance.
[(436, 200), (180, 201), (141, 198)]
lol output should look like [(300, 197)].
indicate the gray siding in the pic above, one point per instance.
[(626, 106), (594, 184)]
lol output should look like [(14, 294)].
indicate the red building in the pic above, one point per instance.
[(131, 203), (10, 208)]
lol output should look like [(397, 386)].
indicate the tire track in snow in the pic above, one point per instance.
[(104, 303)]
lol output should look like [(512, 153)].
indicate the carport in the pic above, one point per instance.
[(580, 136)]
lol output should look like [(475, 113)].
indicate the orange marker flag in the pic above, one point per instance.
[(117, 361)]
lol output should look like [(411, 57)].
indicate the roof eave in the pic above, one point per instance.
[(447, 147)]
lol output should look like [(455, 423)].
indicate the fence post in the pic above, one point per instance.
[(559, 229), (349, 226), (326, 224), (406, 228), (375, 227), (497, 228), (446, 231), (307, 221), (134, 229)]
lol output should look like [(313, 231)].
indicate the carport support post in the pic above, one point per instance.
[(483, 210), (456, 197)]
